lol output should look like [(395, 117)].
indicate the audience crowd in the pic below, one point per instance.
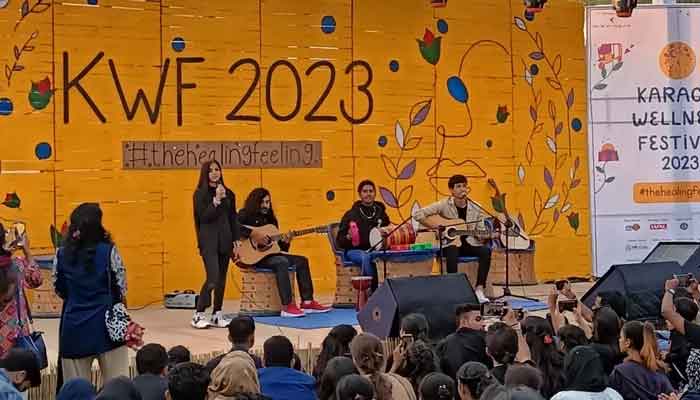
[(594, 353), (599, 355)]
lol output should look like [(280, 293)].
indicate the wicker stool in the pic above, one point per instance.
[(345, 295), (259, 293), (45, 303)]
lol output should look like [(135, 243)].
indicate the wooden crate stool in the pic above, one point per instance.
[(44, 301), (421, 266), (521, 263), (345, 295), (259, 294)]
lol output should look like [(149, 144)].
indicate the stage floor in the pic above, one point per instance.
[(172, 327)]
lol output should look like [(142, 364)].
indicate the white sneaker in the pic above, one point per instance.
[(199, 321), (481, 297), (218, 320)]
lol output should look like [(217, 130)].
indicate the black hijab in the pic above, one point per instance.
[(584, 371)]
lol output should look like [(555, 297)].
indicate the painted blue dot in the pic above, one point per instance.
[(394, 65), (178, 44), (330, 195), (6, 106), (529, 16), (534, 69), (442, 26), (92, 2), (42, 151), (382, 141), (576, 124), (328, 24)]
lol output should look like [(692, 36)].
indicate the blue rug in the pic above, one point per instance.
[(527, 305), (336, 316)]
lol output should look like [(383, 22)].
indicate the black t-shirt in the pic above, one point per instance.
[(462, 212), (692, 334)]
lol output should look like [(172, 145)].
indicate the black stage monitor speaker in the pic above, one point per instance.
[(687, 254), (436, 297), (641, 284)]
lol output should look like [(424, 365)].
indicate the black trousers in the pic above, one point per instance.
[(280, 264), (452, 253), (216, 266)]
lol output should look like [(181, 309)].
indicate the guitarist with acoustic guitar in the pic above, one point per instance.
[(459, 207), (258, 213)]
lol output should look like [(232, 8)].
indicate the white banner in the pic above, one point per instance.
[(644, 130)]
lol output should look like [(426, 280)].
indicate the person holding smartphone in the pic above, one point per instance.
[(16, 274)]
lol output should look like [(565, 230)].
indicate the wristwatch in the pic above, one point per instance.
[(671, 291)]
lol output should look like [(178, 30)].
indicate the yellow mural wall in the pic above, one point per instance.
[(405, 92)]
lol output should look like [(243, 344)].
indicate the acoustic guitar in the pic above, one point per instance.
[(456, 228), (250, 253)]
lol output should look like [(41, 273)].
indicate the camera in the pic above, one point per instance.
[(560, 284), (494, 309), (567, 305), (684, 280), (406, 340), (519, 313)]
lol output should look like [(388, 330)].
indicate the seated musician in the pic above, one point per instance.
[(459, 206), (258, 212), (366, 214)]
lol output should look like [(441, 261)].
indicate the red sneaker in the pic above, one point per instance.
[(291, 311), (314, 307)]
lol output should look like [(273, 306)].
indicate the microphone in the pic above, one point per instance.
[(379, 223)]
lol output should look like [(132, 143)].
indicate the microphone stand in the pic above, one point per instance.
[(508, 225)]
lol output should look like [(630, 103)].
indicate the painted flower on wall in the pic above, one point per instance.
[(12, 200), (40, 94), (608, 153), (502, 114), (430, 47)]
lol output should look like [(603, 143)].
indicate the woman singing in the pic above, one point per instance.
[(216, 223)]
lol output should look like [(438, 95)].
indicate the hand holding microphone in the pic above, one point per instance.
[(220, 192)]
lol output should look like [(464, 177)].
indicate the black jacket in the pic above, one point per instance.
[(258, 219), (151, 387), (677, 358), (378, 217), (462, 346), (217, 227)]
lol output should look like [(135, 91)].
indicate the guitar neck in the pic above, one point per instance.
[(302, 232)]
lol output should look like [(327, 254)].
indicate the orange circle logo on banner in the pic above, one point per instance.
[(677, 60)]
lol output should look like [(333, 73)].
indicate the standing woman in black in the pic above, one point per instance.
[(216, 223)]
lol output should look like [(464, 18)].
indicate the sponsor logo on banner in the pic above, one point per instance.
[(636, 247), (658, 227), (684, 226), (633, 227)]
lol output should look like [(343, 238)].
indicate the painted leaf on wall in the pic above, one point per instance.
[(422, 113), (408, 170), (398, 133), (12, 200), (388, 197)]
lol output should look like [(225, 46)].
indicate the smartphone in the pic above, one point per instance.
[(684, 279), (560, 284), (567, 305), (494, 309), (519, 313)]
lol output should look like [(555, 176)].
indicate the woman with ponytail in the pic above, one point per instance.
[(368, 355), (502, 347), (336, 344), (642, 375), (16, 273), (544, 353)]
